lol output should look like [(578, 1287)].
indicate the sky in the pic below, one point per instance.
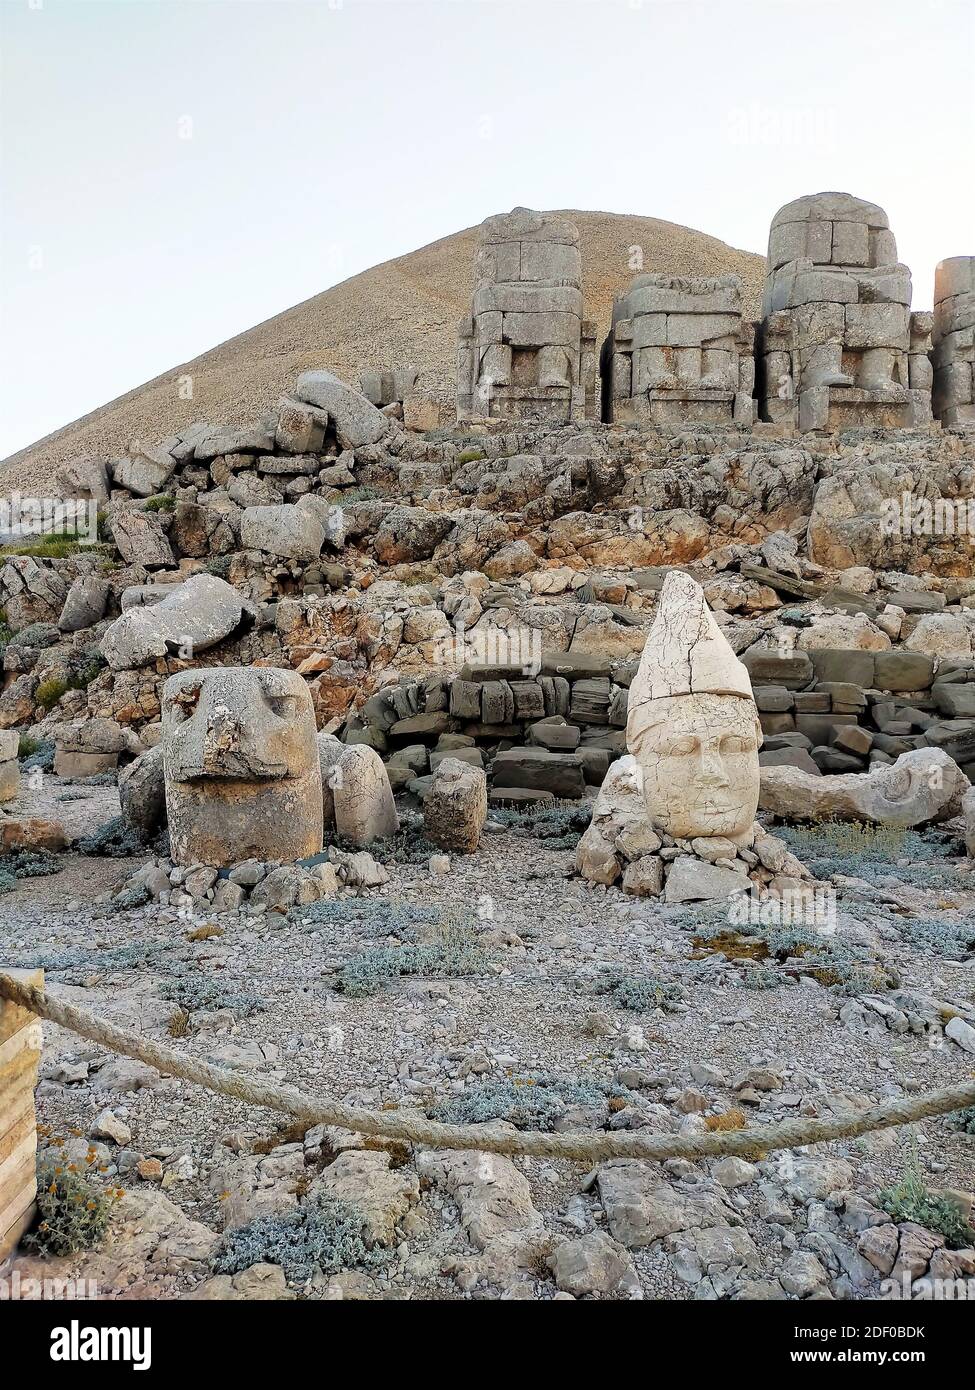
[(173, 172)]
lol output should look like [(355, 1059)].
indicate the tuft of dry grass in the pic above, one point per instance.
[(204, 933), (179, 1024), (727, 1120)]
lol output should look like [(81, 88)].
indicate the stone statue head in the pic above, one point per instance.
[(241, 762), (692, 724)]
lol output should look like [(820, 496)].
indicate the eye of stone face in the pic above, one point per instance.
[(737, 743), (284, 706), (678, 746), (182, 703)]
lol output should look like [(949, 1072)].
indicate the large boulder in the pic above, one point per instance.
[(300, 428), (9, 766), (943, 635), (85, 476), (619, 823), (192, 617), (85, 603), (144, 471), (968, 810), (139, 536), (292, 533), (142, 792), (922, 786), (562, 774), (30, 592), (356, 419), (410, 533), (455, 806), (199, 531), (358, 798)]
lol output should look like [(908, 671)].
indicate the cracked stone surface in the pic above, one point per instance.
[(692, 723), (241, 762)]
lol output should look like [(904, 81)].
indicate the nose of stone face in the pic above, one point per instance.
[(713, 772), (221, 745)]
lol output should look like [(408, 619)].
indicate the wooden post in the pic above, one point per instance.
[(20, 1052)]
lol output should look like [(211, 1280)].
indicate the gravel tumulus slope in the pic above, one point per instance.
[(403, 312)]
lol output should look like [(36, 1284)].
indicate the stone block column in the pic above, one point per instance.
[(954, 341), (20, 1052)]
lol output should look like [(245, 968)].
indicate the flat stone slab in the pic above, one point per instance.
[(692, 880), (517, 797)]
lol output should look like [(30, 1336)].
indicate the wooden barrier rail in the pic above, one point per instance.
[(20, 1053)]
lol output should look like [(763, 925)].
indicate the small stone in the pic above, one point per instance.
[(594, 1263), (802, 1274), (109, 1126), (878, 1244), (733, 1172)]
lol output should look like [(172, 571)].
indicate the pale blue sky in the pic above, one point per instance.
[(329, 135)]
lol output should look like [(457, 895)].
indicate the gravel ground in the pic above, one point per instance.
[(422, 1041)]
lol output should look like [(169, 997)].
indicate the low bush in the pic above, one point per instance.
[(377, 916), (535, 1100), (560, 826), (965, 1120), (320, 1235), (408, 846), (30, 863), (82, 961), (49, 692), (114, 839), (36, 752), (939, 936), (73, 1213), (640, 993), (911, 1200), (193, 991), (452, 950), (871, 852)]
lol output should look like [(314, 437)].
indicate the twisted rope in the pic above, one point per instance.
[(584, 1146)]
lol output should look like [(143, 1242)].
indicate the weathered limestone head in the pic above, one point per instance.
[(243, 778), (831, 229), (692, 724), (833, 234), (524, 247)]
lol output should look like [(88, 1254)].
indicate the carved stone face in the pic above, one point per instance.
[(698, 756), (250, 722), (241, 761)]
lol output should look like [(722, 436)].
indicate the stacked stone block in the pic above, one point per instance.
[(679, 351), (385, 386), (9, 766), (20, 1051), (539, 736), (838, 344), (953, 336), (836, 711), (525, 352)]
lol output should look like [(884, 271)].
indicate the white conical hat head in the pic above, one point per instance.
[(686, 653)]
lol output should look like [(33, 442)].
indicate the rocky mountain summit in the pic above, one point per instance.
[(539, 770)]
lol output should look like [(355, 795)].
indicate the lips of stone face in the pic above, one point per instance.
[(699, 764), (244, 725)]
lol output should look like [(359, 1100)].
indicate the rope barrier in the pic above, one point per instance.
[(579, 1145)]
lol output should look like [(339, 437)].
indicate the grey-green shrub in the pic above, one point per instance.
[(324, 1234)]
